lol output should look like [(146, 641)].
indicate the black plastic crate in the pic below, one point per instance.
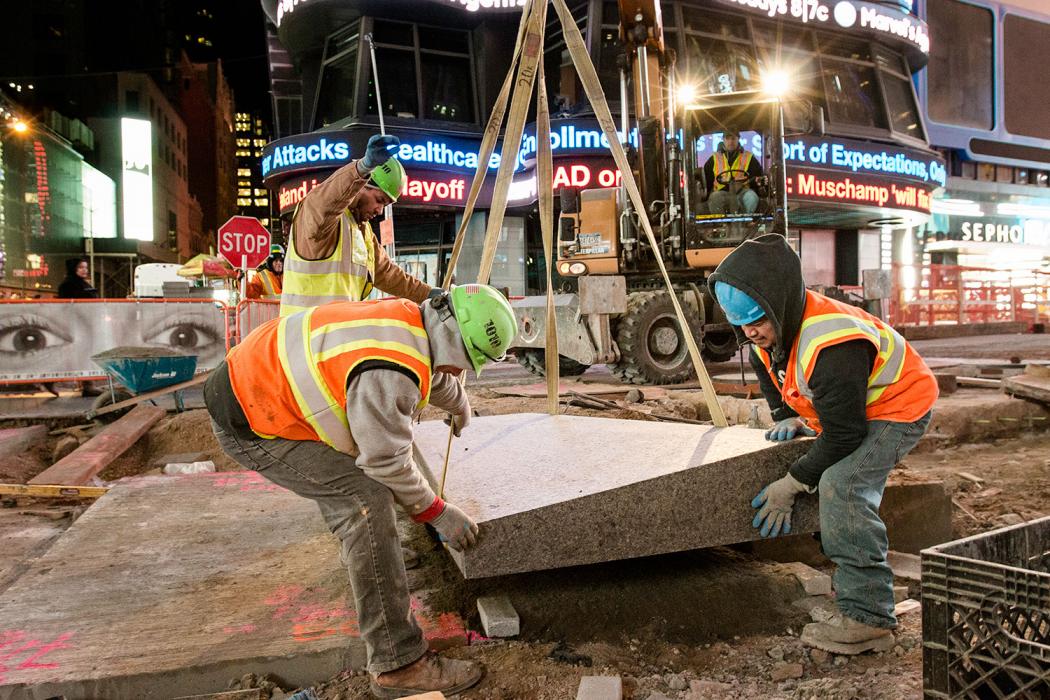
[(986, 615)]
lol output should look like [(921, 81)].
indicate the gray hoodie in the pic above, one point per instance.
[(381, 405)]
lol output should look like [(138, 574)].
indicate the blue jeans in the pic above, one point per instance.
[(360, 512), (725, 202), (851, 531)]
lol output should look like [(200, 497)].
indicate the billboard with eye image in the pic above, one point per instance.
[(55, 340)]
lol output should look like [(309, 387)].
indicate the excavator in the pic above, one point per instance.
[(617, 310)]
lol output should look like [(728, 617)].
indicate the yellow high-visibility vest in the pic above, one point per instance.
[(722, 164), (345, 275)]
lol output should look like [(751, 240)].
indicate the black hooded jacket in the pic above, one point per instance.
[(769, 271), (74, 286)]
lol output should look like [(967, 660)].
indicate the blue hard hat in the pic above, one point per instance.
[(739, 307)]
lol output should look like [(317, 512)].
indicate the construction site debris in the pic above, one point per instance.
[(906, 606), (498, 616), (201, 467), (905, 566), (134, 352), (813, 582), (785, 671), (14, 441), (600, 688)]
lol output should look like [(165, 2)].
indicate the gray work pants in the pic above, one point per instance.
[(360, 512)]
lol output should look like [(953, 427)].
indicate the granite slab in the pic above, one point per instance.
[(555, 491)]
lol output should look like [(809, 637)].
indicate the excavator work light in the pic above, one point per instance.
[(776, 82)]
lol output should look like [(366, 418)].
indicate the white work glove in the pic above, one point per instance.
[(456, 528), (459, 420), (775, 502), (788, 428)]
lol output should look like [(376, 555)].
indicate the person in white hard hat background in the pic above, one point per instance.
[(333, 254)]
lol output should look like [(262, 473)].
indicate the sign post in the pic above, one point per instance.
[(245, 243)]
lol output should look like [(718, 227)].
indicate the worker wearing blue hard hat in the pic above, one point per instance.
[(833, 371)]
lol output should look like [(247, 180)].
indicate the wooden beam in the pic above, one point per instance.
[(52, 491), (96, 454)]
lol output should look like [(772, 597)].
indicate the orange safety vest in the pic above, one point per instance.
[(722, 164), (290, 374), (901, 388), (267, 283)]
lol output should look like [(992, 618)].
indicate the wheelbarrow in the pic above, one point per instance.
[(145, 373)]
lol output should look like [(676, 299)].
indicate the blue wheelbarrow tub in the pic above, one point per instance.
[(145, 371)]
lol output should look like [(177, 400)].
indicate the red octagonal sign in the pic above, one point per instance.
[(244, 242)]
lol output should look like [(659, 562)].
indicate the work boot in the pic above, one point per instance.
[(410, 556), (844, 635), (431, 672)]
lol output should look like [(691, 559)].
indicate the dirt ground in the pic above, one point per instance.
[(994, 481)]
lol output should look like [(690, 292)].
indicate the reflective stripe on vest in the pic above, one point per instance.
[(271, 285), (320, 347), (900, 386), (346, 275), (827, 329), (722, 164)]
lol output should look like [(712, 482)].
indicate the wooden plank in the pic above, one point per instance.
[(139, 398), (980, 382), (1028, 387), (96, 454), (538, 391)]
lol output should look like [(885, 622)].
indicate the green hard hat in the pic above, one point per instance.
[(276, 249), (389, 177), (486, 322)]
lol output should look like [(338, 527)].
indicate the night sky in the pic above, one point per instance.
[(241, 44)]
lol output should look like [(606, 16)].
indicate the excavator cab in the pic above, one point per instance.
[(736, 193)]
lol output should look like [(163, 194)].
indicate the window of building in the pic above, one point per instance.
[(244, 202), (338, 83), (243, 153), (437, 62), (262, 202), (244, 172), (1026, 48), (260, 192), (244, 192), (960, 83)]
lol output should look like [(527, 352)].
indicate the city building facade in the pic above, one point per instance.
[(253, 199), (988, 241)]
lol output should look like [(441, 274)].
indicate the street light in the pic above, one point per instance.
[(20, 126), (776, 82)]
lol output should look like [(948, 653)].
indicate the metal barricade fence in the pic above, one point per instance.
[(43, 340), (954, 294), (252, 313)]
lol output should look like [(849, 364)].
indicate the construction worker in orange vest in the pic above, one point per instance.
[(322, 403), (830, 370), (267, 281), (729, 174)]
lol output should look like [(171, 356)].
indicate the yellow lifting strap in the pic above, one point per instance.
[(526, 72)]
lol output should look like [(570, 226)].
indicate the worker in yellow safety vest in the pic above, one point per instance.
[(830, 370), (266, 284), (729, 175), (333, 254), (322, 403)]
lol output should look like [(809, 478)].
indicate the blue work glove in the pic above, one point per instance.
[(380, 149), (788, 429), (775, 502)]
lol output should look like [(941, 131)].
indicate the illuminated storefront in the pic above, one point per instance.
[(853, 193)]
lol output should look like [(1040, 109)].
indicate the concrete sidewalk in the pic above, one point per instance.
[(173, 585)]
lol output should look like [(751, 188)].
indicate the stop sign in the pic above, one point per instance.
[(244, 242)]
